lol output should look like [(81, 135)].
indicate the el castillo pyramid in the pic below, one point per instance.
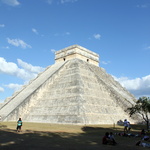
[(75, 90)]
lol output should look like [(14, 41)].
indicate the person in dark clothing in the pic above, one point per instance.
[(112, 138), (106, 139), (143, 132), (19, 125)]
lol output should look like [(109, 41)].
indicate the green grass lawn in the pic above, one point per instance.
[(38, 136)]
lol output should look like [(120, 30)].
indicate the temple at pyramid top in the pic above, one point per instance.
[(76, 51)]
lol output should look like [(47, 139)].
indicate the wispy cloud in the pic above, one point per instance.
[(5, 47), (35, 31), (25, 72), (68, 1), (105, 62), (11, 2), (2, 25), (143, 6), (53, 50), (28, 67), (62, 34), (97, 36), (18, 43), (148, 47), (138, 86), (1, 89), (13, 86), (67, 33), (50, 1), (61, 1), (11, 68)]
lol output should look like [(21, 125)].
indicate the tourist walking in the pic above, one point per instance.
[(19, 125), (129, 126)]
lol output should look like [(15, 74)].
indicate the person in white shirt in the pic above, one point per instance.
[(125, 125), (129, 126)]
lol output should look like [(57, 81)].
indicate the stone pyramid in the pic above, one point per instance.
[(75, 90)]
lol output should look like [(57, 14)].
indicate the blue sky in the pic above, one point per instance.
[(32, 30)]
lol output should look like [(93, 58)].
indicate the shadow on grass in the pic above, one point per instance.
[(45, 140), (90, 139), (139, 127)]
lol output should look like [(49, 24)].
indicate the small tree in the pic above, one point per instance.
[(142, 107)]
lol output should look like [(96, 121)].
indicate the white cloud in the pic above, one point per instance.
[(2, 25), (13, 86), (11, 2), (61, 1), (142, 6), (1, 89), (53, 50), (105, 62), (7, 67), (29, 67), (5, 47), (67, 33), (49, 1), (62, 34), (22, 70), (27, 72), (97, 36), (68, 1), (138, 86), (35, 31), (148, 47), (18, 43)]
